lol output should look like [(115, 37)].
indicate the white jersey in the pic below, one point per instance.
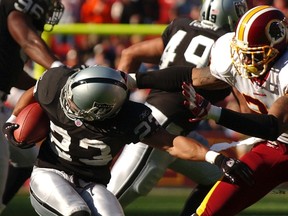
[(259, 97)]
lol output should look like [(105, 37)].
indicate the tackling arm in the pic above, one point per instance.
[(267, 126), (177, 146), (171, 78), (272, 124), (202, 78), (190, 149)]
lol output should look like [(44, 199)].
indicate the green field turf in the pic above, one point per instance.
[(168, 202)]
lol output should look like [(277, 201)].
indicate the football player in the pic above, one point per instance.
[(21, 24), (188, 43), (253, 59), (91, 119)]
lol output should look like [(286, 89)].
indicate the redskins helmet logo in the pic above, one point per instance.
[(275, 31)]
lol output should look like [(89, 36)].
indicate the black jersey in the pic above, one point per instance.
[(86, 149), (187, 43), (11, 58)]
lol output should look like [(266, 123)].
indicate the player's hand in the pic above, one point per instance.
[(8, 130), (235, 170), (198, 105)]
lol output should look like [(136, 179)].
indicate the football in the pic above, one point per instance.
[(33, 124)]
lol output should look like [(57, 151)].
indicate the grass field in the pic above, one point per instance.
[(168, 202)]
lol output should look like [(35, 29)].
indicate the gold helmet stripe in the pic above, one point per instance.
[(240, 32)]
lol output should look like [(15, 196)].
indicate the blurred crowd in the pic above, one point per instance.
[(105, 50)]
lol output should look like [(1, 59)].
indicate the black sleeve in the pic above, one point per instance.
[(168, 79), (257, 125)]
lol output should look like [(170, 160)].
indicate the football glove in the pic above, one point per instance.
[(8, 130), (234, 170), (198, 105)]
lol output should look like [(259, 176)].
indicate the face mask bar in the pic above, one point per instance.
[(252, 61), (54, 15)]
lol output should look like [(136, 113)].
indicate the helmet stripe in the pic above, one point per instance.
[(245, 19), (99, 80)]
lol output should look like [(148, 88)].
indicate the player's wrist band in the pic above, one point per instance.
[(211, 156), (56, 64)]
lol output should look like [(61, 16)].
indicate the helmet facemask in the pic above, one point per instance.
[(54, 14), (251, 61), (69, 108)]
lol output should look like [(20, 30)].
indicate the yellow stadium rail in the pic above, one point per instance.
[(100, 29), (108, 29)]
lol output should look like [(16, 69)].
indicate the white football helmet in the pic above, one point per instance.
[(222, 13), (260, 37), (94, 93)]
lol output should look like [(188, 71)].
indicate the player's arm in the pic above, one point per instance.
[(190, 149), (148, 51), (202, 78), (26, 99), (177, 146), (21, 28), (171, 78), (266, 126), (279, 109), (10, 126)]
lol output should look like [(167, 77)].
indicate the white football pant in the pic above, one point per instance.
[(53, 192)]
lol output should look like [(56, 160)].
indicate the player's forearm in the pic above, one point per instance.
[(24, 100), (168, 79), (257, 125), (39, 52), (202, 78), (131, 58), (144, 52), (188, 149), (128, 62)]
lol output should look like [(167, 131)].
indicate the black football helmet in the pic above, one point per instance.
[(45, 13), (54, 13)]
